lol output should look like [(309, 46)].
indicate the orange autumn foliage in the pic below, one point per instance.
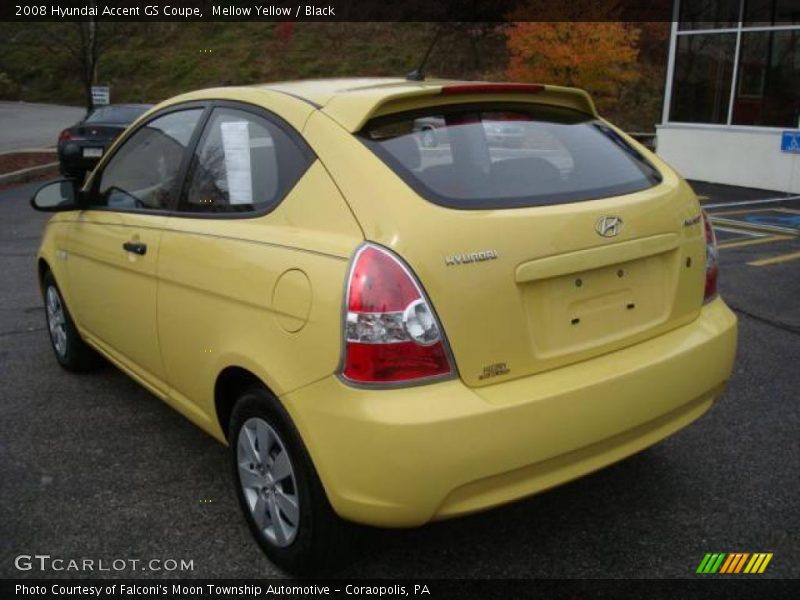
[(599, 57)]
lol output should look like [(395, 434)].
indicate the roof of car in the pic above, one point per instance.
[(322, 91), (353, 101)]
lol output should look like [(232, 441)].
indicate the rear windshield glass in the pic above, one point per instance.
[(121, 115), (507, 155)]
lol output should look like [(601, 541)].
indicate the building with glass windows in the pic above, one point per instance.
[(732, 94)]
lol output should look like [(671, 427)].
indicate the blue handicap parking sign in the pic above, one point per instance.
[(790, 141)]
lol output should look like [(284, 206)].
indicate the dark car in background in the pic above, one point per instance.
[(81, 146)]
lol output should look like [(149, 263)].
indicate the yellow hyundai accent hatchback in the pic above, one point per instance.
[(396, 301)]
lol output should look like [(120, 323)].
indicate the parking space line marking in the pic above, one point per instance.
[(740, 231), (763, 240), (751, 202), (739, 234), (775, 260), (716, 221), (743, 211), (751, 211)]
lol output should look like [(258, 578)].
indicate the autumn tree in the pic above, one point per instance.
[(599, 57)]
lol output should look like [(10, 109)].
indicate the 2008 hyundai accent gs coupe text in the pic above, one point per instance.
[(386, 331)]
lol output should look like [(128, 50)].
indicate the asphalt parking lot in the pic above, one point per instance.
[(35, 124), (93, 466)]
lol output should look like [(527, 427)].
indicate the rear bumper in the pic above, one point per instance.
[(70, 155), (407, 456)]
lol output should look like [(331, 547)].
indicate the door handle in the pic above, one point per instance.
[(135, 247)]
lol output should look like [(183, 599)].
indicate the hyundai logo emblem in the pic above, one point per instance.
[(608, 226)]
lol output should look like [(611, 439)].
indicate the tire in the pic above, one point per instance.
[(302, 541), (72, 353)]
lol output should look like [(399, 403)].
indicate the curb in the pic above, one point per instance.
[(47, 150), (22, 174)]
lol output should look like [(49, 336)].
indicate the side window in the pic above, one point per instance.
[(143, 173), (243, 163)]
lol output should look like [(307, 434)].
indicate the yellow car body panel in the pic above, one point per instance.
[(276, 311), (265, 294), (105, 282), (404, 457)]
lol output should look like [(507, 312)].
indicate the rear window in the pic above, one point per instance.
[(507, 155), (121, 115)]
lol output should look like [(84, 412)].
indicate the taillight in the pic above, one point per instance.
[(712, 260), (65, 136), (391, 332)]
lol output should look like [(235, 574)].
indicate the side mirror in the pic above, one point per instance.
[(56, 196)]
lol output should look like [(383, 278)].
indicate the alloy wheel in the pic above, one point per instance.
[(56, 321), (268, 481)]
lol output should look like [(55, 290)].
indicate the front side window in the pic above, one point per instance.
[(507, 155), (143, 174), (243, 163)]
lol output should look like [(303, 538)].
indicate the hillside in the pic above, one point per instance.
[(147, 62)]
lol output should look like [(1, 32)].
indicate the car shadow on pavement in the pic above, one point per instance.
[(532, 537)]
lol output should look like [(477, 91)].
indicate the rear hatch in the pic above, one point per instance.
[(542, 234)]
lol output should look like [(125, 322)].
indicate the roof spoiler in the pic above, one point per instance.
[(354, 109)]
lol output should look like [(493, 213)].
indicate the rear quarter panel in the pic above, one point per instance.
[(263, 293)]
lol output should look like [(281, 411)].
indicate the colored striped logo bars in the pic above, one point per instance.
[(733, 563)]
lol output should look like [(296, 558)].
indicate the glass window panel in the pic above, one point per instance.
[(243, 163), (708, 14), (702, 78), (768, 82), (771, 12), (143, 174), (507, 155)]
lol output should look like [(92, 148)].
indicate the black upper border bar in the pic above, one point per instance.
[(336, 10)]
